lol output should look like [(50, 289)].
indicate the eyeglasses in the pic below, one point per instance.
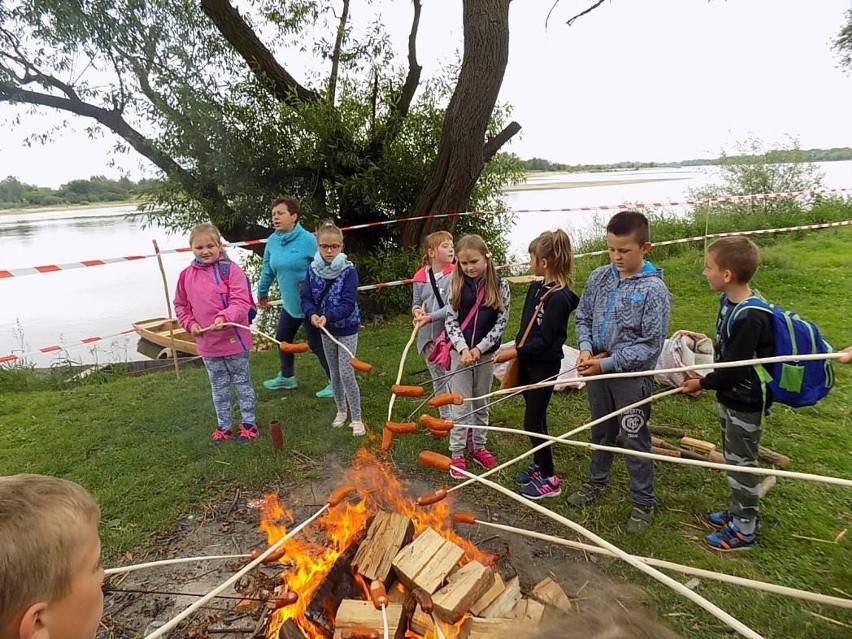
[(330, 247)]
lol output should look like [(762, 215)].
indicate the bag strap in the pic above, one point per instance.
[(532, 319), (479, 297), (435, 288)]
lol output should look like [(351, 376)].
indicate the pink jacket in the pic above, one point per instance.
[(202, 295)]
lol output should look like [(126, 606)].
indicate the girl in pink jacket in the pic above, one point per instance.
[(211, 291)]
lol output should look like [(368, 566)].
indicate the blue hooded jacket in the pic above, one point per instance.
[(286, 259)]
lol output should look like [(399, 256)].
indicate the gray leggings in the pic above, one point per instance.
[(343, 381), (224, 372)]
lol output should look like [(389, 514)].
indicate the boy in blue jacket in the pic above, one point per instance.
[(623, 312)]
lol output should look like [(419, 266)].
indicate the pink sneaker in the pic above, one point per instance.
[(484, 458), (458, 462)]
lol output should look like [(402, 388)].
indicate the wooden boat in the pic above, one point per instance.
[(157, 331)]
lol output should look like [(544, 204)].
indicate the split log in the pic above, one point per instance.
[(290, 630), (502, 606), (362, 615), (684, 452), (465, 587), (386, 535), (529, 612), (767, 454), (698, 445), (337, 585), (551, 594), (481, 628), (665, 451), (667, 431), (766, 485), (427, 561), (420, 622), (489, 596)]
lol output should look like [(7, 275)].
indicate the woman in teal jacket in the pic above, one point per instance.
[(289, 252)]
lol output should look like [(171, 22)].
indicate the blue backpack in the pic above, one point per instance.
[(225, 274), (792, 383)]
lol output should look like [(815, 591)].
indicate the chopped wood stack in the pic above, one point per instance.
[(427, 587)]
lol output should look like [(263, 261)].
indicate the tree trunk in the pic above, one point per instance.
[(462, 154)]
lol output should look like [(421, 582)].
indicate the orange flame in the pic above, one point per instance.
[(309, 556)]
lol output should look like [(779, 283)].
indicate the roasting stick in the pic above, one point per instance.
[(169, 562), (401, 366), (550, 439), (570, 433), (615, 550), (379, 597), (336, 496), (248, 328), (357, 364), (468, 518), (666, 371)]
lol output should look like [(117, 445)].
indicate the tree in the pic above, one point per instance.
[(843, 44), (229, 126)]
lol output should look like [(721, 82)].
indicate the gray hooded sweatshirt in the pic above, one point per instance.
[(628, 318)]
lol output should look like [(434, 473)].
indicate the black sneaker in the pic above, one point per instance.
[(640, 519), (586, 494), (533, 471)]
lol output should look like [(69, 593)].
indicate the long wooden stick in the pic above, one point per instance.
[(168, 306), (624, 556), (401, 366), (666, 371), (337, 341), (248, 328), (570, 433), (169, 562), (687, 570), (837, 481), (159, 632)]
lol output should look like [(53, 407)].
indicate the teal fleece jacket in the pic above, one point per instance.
[(286, 259)]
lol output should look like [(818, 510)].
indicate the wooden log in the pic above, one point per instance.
[(483, 628), (684, 452), (397, 593), (767, 454), (386, 535), (766, 485), (529, 612), (665, 451), (501, 607), (667, 431), (427, 561), (551, 594), (338, 584), (465, 587), (489, 596), (290, 630), (420, 622), (698, 445), (715, 457), (362, 615)]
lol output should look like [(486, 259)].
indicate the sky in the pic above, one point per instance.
[(656, 80)]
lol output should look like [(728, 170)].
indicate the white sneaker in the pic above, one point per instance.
[(358, 428), (339, 420)]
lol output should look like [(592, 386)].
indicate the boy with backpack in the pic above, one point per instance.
[(745, 329)]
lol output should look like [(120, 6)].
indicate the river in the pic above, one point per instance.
[(68, 306)]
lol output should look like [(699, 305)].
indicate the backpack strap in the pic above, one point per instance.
[(756, 302)]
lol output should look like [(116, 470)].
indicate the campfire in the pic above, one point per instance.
[(385, 562)]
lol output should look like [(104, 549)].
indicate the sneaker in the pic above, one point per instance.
[(484, 458), (460, 463), (358, 427), (729, 538), (339, 419), (720, 519), (219, 435), (248, 432), (640, 519), (325, 392), (531, 472), (542, 487), (279, 382), (586, 494)]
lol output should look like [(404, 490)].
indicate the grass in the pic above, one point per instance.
[(140, 445)]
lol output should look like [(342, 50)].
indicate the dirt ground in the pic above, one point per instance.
[(136, 602)]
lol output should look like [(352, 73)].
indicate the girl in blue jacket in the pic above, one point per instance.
[(329, 301)]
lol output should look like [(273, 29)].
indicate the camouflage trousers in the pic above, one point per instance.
[(740, 440)]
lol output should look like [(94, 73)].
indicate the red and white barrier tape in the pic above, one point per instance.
[(6, 359), (754, 197)]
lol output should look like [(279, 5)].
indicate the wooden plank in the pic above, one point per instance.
[(363, 615), (386, 535), (466, 586), (698, 445), (481, 628), (490, 595), (420, 622), (501, 607), (550, 593), (529, 611), (427, 561)]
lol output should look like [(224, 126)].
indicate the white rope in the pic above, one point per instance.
[(630, 559), (666, 371)]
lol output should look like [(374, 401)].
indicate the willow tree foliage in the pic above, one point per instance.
[(288, 97)]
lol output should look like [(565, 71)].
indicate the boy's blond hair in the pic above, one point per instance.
[(737, 254), (42, 521)]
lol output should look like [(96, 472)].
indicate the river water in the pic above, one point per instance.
[(68, 306)]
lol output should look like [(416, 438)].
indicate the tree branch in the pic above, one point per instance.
[(262, 63), (582, 13), (412, 79), (335, 56), (493, 144)]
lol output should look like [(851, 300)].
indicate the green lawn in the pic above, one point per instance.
[(140, 444)]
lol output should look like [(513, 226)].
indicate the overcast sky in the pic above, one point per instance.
[(651, 80)]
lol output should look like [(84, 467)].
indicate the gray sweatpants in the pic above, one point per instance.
[(469, 382), (343, 381), (224, 372), (442, 385), (605, 397), (740, 440)]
